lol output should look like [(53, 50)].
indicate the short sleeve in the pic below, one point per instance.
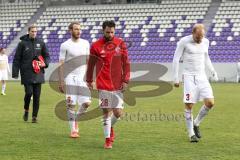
[(63, 52)]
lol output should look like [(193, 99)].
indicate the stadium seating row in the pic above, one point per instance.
[(152, 29)]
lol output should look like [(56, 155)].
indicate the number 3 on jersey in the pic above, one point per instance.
[(187, 97), (104, 102)]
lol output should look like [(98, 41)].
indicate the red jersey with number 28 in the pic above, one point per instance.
[(112, 64)]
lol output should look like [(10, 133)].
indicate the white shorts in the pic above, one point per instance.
[(110, 99), (77, 91), (196, 88), (3, 74)]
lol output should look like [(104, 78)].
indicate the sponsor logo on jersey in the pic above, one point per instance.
[(102, 52)]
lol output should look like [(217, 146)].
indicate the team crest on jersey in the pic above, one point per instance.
[(109, 46), (38, 46)]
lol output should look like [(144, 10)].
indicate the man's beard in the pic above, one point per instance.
[(108, 38), (32, 37), (75, 36), (198, 39)]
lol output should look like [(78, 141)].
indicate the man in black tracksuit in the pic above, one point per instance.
[(29, 48)]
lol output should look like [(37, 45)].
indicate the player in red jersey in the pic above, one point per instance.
[(110, 56)]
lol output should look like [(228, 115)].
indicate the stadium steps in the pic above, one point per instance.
[(211, 13), (33, 20)]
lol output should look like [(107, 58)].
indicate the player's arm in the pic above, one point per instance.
[(126, 67), (17, 61), (8, 68), (87, 52), (62, 56), (177, 55), (209, 65), (61, 76), (90, 67), (46, 57)]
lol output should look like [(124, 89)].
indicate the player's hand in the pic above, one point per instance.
[(90, 85), (215, 77), (61, 87), (124, 86), (176, 85), (39, 63)]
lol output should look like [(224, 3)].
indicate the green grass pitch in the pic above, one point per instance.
[(152, 129)]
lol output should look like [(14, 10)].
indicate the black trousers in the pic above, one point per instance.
[(35, 90)]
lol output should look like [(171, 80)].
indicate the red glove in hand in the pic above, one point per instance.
[(41, 59), (36, 67)]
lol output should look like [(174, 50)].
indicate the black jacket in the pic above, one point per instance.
[(27, 50)]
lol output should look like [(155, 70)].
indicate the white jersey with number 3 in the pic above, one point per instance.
[(195, 57)]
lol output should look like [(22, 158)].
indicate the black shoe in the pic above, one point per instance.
[(194, 139), (25, 116), (34, 120), (197, 131)]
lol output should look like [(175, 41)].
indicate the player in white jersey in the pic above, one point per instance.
[(238, 71), (194, 52), (4, 69), (75, 51)]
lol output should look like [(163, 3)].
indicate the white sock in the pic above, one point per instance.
[(76, 129), (107, 127), (71, 119), (3, 87), (82, 109), (189, 122), (202, 113), (114, 119)]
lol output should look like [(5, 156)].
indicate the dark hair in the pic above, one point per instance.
[(70, 27), (108, 24)]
